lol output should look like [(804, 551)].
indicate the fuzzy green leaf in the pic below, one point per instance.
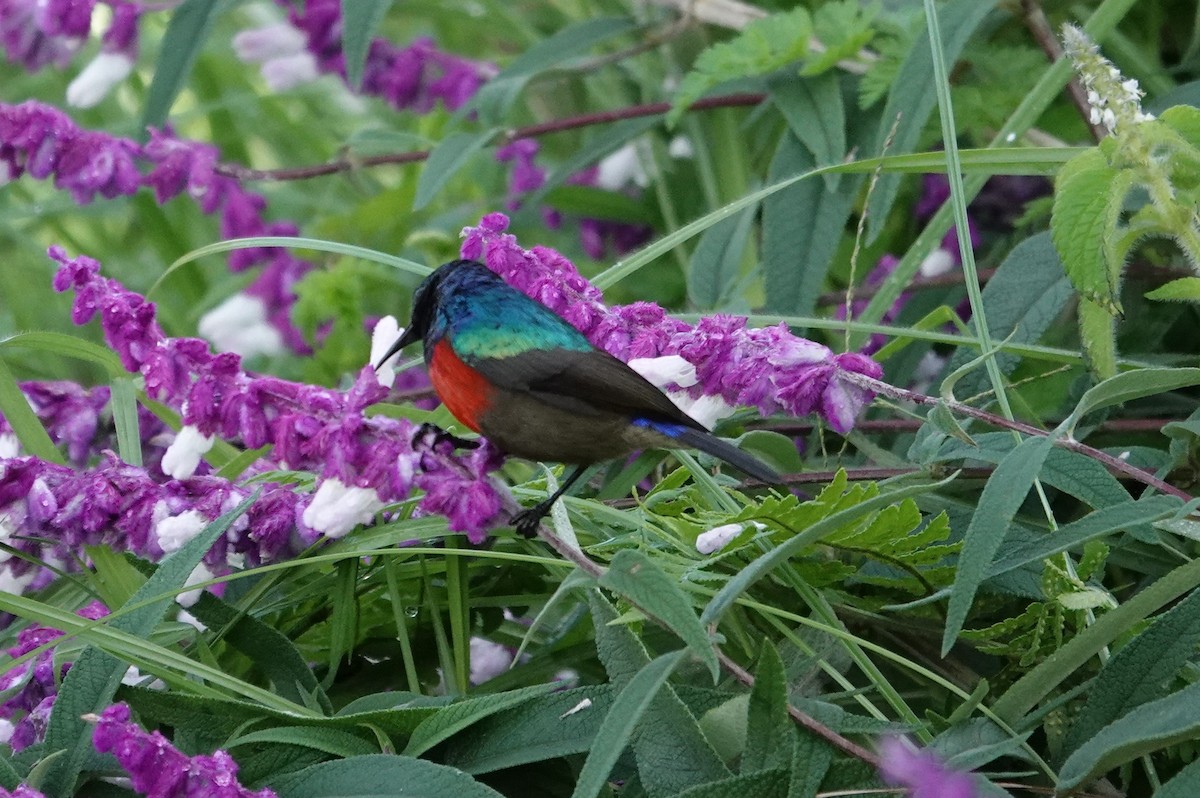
[(763, 46), (1088, 199), (452, 719), (186, 34), (382, 775), (771, 783), (1131, 385), (360, 20), (1185, 289), (843, 28), (1154, 725), (715, 264), (447, 158), (769, 730), (1001, 498)]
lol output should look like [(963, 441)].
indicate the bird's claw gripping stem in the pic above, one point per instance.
[(439, 435)]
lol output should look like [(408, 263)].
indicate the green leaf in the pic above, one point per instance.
[(1006, 489), (1098, 334), (769, 729), (93, 679), (330, 741), (450, 720), (671, 752), (1022, 300), (360, 20), (449, 156), (771, 783), (24, 422), (714, 267), (67, 346), (763, 46), (1185, 289), (1088, 198), (116, 577), (1140, 671), (801, 228), (1105, 521), (843, 28), (813, 109), (123, 404), (911, 100), (549, 727), (186, 35), (494, 99), (1184, 784), (1154, 725), (382, 775), (638, 578), (271, 651), (617, 729), (828, 524), (1128, 386)]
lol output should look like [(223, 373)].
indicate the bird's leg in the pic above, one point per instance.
[(439, 435), (526, 521)]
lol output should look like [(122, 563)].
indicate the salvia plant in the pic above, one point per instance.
[(935, 262)]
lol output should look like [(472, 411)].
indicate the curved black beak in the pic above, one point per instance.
[(409, 336)]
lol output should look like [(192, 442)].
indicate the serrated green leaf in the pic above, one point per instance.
[(763, 46), (715, 264), (1185, 289), (617, 730), (187, 32), (1088, 197), (380, 775), (1151, 726), (447, 158), (1140, 671), (638, 578), (769, 730), (360, 20), (1006, 489), (843, 28), (1184, 120)]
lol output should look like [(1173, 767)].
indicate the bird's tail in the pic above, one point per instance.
[(711, 444)]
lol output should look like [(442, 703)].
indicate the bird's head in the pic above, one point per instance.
[(428, 297)]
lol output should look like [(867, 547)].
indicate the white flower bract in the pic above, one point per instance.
[(719, 537), (665, 370), (98, 78), (239, 325), (387, 331), (174, 531), (183, 455), (335, 509)]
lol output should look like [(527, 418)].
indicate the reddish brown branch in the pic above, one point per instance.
[(350, 162), (1039, 26)]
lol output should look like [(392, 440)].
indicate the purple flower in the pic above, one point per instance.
[(525, 176), (157, 769), (22, 791), (921, 773), (27, 42), (415, 77), (365, 461), (69, 18), (768, 368), (34, 683)]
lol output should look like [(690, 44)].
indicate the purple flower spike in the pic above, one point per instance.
[(22, 791), (767, 368), (526, 176), (158, 769), (921, 773)]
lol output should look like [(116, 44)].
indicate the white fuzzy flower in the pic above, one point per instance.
[(387, 331), (937, 262), (6, 731), (15, 585), (719, 537), (9, 445), (488, 659), (98, 78), (271, 41), (621, 168), (191, 620), (665, 370), (680, 147), (290, 71), (133, 677), (188, 598), (174, 531), (239, 325), (708, 410), (183, 455), (335, 509)]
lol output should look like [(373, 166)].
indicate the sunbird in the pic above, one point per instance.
[(515, 371)]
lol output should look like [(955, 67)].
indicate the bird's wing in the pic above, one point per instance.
[(583, 382)]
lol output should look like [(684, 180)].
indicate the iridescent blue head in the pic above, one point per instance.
[(483, 315)]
